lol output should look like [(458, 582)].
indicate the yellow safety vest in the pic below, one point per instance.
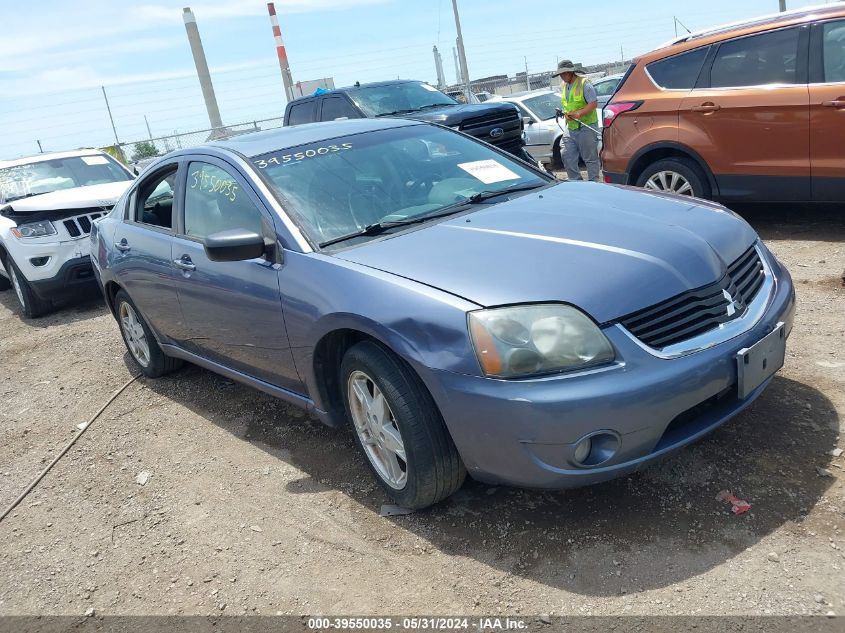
[(576, 101)]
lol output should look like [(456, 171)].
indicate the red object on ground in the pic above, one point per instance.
[(738, 506)]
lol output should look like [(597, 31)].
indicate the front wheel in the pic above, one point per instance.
[(32, 305), (397, 426), (680, 176)]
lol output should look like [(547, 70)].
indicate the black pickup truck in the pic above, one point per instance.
[(497, 123)]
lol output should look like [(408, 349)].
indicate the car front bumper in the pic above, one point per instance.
[(524, 432), (66, 271)]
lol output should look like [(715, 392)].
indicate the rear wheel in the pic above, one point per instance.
[(140, 341), (680, 176), (397, 426), (31, 304)]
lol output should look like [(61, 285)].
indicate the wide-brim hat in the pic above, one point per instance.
[(566, 66)]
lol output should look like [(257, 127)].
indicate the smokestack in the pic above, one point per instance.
[(287, 78), (202, 68), (438, 65)]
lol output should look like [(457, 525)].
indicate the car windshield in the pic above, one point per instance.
[(543, 106), (45, 176), (607, 87), (399, 98), (341, 186)]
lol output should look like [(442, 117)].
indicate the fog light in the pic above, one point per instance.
[(38, 261), (582, 450)]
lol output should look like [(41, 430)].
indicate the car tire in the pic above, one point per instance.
[(429, 468), (681, 176), (140, 341), (31, 304), (557, 154)]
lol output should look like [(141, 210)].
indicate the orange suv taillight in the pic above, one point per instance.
[(613, 110)]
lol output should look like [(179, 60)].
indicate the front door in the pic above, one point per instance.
[(142, 261), (827, 111), (748, 117), (233, 310)]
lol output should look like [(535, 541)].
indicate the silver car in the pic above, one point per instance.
[(542, 133)]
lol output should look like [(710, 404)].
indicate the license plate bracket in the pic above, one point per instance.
[(758, 363)]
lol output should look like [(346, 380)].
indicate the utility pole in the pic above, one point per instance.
[(148, 127), (287, 78), (782, 5), (114, 129), (527, 82), (457, 66), (462, 54), (202, 68), (438, 66)]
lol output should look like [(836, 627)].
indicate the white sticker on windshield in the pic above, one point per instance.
[(488, 171), (95, 160), (429, 88)]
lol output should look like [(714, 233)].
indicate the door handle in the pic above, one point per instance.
[(122, 246), (184, 263), (706, 107), (836, 103)]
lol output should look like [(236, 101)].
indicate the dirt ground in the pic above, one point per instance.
[(250, 507)]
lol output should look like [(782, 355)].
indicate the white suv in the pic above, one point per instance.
[(47, 205)]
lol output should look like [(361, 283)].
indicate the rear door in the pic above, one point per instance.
[(142, 264), (748, 116), (827, 111), (232, 310)]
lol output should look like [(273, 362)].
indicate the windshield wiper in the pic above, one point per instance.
[(396, 112), (481, 196), (381, 227), (434, 105)]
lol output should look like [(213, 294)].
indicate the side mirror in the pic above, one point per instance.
[(234, 245), (527, 120), (135, 170)]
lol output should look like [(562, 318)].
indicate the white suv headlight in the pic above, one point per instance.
[(534, 339), (34, 229)]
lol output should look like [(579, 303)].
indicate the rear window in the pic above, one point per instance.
[(303, 113), (678, 72)]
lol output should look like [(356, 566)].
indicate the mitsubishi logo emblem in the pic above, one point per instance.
[(733, 305)]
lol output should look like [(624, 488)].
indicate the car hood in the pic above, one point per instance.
[(609, 250), (104, 195), (456, 114)]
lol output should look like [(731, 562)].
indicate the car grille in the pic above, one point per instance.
[(698, 311), (499, 118), (80, 225)]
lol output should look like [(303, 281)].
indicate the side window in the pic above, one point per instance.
[(769, 58), (154, 202), (606, 88), (303, 113), (335, 108), (833, 47), (214, 202), (678, 72)]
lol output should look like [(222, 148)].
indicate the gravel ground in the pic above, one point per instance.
[(250, 507)]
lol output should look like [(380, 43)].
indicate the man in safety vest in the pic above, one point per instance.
[(578, 102)]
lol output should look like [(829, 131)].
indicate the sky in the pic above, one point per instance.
[(56, 55)]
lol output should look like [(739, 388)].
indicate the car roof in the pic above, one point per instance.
[(257, 143), (38, 158), (744, 27)]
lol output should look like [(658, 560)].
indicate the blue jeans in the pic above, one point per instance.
[(582, 143)]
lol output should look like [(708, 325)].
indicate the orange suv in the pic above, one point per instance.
[(747, 112)]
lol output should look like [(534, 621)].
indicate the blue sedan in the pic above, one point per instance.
[(457, 309)]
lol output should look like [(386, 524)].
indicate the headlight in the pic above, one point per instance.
[(535, 339), (34, 229)]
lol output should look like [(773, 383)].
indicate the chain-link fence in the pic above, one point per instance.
[(144, 150)]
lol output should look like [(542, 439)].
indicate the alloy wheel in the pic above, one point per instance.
[(376, 427), (669, 181), (133, 331), (13, 276)]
